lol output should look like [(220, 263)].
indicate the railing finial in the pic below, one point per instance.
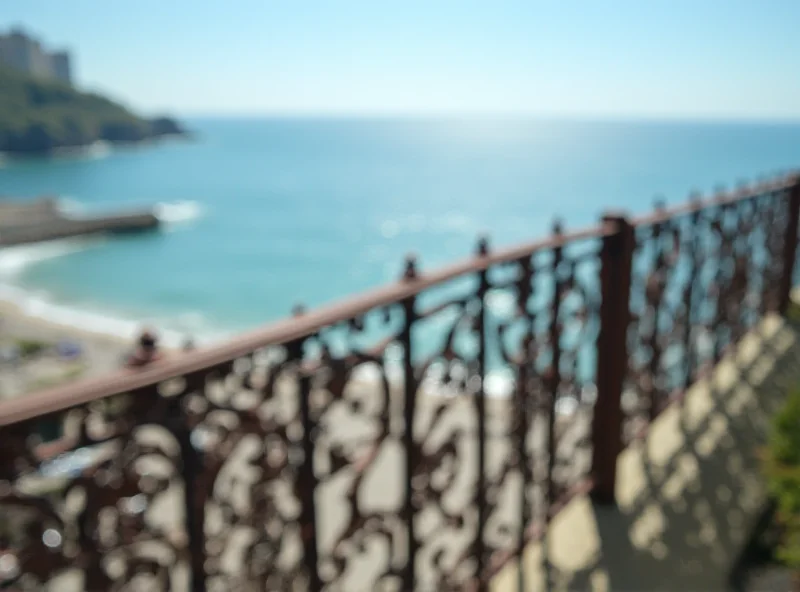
[(483, 246), (659, 203), (298, 310), (558, 226), (410, 269)]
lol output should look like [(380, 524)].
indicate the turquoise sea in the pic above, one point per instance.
[(262, 214)]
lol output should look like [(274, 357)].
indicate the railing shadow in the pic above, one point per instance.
[(691, 493)]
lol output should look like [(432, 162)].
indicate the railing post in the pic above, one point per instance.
[(689, 346), (409, 412), (553, 377), (306, 476), (194, 499), (612, 354), (480, 401), (790, 247)]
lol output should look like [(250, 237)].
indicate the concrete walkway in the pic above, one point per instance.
[(689, 496)]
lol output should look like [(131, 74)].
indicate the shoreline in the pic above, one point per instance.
[(22, 375), (99, 353), (97, 148), (25, 323)]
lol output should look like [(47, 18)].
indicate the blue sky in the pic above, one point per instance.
[(616, 58)]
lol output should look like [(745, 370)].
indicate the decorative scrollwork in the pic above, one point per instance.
[(98, 521)]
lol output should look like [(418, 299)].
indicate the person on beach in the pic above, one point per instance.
[(146, 350)]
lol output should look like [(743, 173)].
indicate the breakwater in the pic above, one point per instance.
[(24, 223)]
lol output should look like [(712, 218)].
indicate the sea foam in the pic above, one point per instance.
[(173, 331), (178, 212), (170, 213), (14, 260)]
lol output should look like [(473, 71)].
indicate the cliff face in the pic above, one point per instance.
[(38, 116), (164, 126)]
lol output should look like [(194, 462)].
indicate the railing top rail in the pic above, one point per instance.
[(720, 198), (286, 330)]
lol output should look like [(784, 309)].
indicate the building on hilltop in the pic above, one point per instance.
[(61, 67), (23, 53)]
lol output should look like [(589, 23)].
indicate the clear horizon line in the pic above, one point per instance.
[(531, 115)]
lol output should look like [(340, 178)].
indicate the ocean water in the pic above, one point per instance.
[(263, 214)]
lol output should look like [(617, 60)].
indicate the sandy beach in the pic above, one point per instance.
[(99, 353)]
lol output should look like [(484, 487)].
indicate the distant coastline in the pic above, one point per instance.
[(40, 117), (93, 150)]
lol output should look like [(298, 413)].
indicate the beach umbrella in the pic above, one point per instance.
[(69, 349)]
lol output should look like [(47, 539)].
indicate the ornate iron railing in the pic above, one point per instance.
[(702, 276), (412, 438)]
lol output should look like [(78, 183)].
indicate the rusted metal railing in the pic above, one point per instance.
[(415, 437)]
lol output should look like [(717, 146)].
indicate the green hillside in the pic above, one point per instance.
[(38, 116)]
